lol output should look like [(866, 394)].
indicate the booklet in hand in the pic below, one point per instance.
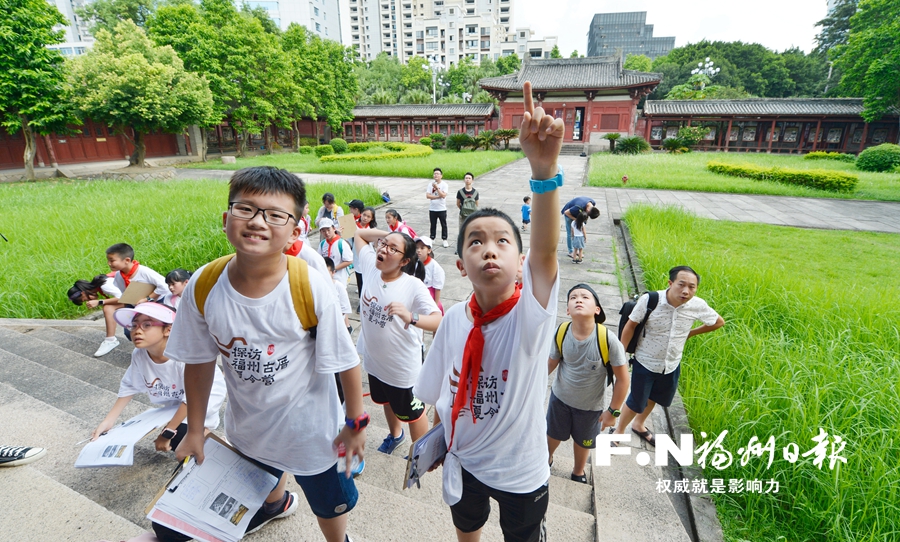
[(424, 454), (116, 447)]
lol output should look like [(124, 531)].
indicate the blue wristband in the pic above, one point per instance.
[(539, 187)]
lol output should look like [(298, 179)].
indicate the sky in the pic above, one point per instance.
[(776, 24)]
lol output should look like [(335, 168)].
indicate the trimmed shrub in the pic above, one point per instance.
[(339, 145), (307, 141), (823, 155), (425, 141), (820, 179), (458, 142), (883, 157), (324, 150), (437, 140), (675, 145), (691, 135), (305, 150), (407, 150), (632, 145)]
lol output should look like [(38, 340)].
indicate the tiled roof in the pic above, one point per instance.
[(592, 73), (424, 110), (759, 106)]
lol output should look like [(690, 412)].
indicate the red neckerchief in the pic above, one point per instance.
[(426, 262), (127, 278), (305, 220), (336, 237), (295, 248), (471, 362), (395, 226)]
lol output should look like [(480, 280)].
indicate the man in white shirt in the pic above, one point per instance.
[(657, 358), (437, 206)]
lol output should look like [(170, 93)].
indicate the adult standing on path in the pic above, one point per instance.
[(437, 206), (466, 199), (570, 213)]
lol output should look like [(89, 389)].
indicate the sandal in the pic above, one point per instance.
[(579, 478), (646, 436)]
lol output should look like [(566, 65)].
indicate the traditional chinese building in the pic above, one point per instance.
[(785, 125), (411, 122), (594, 96)]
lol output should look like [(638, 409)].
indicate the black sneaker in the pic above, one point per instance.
[(13, 456), (261, 518)]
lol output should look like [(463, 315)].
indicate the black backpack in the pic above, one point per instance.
[(625, 311)]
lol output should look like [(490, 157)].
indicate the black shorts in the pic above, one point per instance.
[(521, 514), (564, 421), (647, 385), (404, 404)]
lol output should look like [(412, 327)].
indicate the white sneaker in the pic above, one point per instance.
[(446, 244), (106, 347)]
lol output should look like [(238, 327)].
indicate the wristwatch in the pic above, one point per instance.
[(168, 434), (415, 319), (100, 302), (359, 423), (615, 413), (549, 185)]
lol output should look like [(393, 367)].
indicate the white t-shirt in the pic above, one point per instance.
[(171, 300), (576, 231), (146, 275), (335, 213), (439, 204), (398, 356), (109, 288), (507, 448), (283, 407), (434, 275), (343, 299), (339, 251), (303, 224), (164, 384), (313, 258)]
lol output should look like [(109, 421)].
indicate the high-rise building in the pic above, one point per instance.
[(446, 29), (77, 38), (628, 32)]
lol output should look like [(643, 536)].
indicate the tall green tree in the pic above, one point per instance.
[(835, 27), (870, 61), (106, 14), (32, 77), (508, 64), (554, 53), (384, 73), (641, 63), (416, 75), (129, 83)]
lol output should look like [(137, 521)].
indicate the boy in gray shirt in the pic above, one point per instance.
[(576, 396)]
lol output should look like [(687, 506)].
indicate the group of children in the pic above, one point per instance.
[(486, 373)]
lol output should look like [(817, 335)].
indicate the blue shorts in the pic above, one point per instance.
[(329, 494), (657, 387)]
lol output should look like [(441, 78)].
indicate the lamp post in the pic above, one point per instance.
[(706, 68), (434, 64)]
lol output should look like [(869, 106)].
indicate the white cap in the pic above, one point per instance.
[(325, 223), (157, 311), (425, 240)]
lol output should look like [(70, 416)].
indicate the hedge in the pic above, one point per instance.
[(339, 145), (884, 157), (307, 141), (305, 150), (324, 150), (390, 145), (820, 179), (822, 155), (407, 151)]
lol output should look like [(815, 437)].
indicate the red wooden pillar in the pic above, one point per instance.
[(365, 131), (847, 137), (728, 135), (771, 137), (862, 143), (51, 152), (816, 137)]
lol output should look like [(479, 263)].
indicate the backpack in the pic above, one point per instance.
[(602, 344), (340, 251), (298, 276), (469, 205), (639, 330)]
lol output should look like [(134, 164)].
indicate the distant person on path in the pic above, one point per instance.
[(579, 237), (466, 199), (486, 372), (657, 358), (283, 408), (437, 206), (429, 271), (328, 210), (339, 250), (396, 224), (526, 212), (576, 396), (570, 213)]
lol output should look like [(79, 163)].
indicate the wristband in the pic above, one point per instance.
[(615, 413), (359, 423), (539, 187)]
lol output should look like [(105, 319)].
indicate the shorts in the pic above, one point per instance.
[(329, 494), (522, 515), (657, 387), (564, 421), (578, 242), (404, 404), (524, 221)]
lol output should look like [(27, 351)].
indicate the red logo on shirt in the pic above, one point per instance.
[(173, 386), (271, 349), (505, 374)]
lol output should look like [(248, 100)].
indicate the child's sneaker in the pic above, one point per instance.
[(261, 518), (106, 347), (390, 443), (13, 456), (359, 468)]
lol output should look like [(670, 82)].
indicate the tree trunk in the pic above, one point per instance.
[(296, 131), (317, 132), (268, 140), (140, 150), (612, 145), (242, 148), (202, 147), (30, 147)]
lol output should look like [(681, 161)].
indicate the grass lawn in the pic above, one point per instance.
[(688, 172), (811, 341), (59, 231), (453, 164)]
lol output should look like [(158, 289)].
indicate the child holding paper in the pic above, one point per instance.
[(486, 372), (161, 378)]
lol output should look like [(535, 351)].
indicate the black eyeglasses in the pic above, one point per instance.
[(391, 250), (245, 211)]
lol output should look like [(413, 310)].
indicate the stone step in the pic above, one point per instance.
[(89, 339), (41, 346)]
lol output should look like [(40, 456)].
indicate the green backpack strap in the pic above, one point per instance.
[(298, 276)]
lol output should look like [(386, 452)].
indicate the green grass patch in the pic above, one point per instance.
[(454, 164), (811, 341), (688, 172), (59, 231)]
